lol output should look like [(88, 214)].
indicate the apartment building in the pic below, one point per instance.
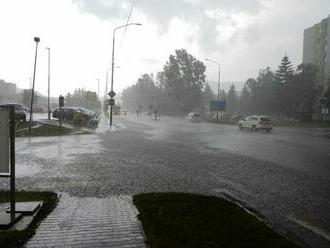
[(316, 48)]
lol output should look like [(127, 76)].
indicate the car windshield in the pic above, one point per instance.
[(158, 123)]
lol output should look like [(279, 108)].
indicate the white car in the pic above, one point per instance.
[(256, 122), (194, 117)]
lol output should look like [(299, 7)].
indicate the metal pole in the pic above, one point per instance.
[(219, 83), (36, 39), (218, 97), (219, 90), (48, 83), (113, 63), (12, 164), (98, 89), (112, 69), (105, 107)]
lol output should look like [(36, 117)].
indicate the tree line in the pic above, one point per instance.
[(180, 87), (285, 93)]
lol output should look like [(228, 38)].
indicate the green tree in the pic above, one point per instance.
[(207, 95), (231, 103), (304, 89), (184, 78), (284, 71), (244, 101)]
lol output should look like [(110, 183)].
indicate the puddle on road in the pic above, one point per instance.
[(34, 153), (26, 169)]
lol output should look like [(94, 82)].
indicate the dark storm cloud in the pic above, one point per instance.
[(162, 13)]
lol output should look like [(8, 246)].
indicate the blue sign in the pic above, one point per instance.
[(217, 105)]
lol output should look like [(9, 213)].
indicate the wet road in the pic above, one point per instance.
[(284, 175)]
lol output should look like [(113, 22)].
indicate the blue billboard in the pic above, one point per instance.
[(217, 105)]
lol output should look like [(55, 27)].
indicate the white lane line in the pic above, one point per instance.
[(310, 227)]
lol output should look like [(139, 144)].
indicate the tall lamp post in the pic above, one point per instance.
[(112, 93), (218, 97), (48, 82), (98, 88), (37, 40)]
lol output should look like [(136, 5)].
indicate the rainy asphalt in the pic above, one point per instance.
[(283, 175)]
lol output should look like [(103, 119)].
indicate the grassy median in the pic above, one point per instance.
[(44, 130), (19, 238), (190, 220)]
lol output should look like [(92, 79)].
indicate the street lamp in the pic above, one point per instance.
[(98, 88), (37, 40), (111, 93), (48, 82), (218, 97)]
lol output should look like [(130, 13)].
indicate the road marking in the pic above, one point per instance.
[(310, 227)]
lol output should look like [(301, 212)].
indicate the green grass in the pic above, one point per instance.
[(19, 238), (189, 220), (44, 130)]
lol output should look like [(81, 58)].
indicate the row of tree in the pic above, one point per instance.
[(181, 87), (288, 92)]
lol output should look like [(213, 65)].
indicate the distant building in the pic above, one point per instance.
[(7, 88), (317, 46)]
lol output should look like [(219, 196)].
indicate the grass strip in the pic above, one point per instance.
[(190, 220), (19, 238), (44, 130)]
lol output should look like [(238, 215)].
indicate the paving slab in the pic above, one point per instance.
[(91, 222)]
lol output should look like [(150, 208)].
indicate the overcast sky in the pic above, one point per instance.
[(242, 35)]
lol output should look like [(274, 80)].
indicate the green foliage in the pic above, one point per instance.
[(302, 91), (284, 71), (190, 220), (231, 103), (179, 87), (289, 93), (184, 78), (207, 95)]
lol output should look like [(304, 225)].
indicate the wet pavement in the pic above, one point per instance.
[(284, 175)]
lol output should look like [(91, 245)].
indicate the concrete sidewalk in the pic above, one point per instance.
[(91, 222)]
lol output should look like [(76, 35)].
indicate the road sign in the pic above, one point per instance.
[(4, 141), (217, 105), (61, 101), (112, 94), (111, 102)]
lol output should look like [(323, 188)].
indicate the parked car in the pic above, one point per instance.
[(256, 122), (68, 113), (194, 117), (20, 113)]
